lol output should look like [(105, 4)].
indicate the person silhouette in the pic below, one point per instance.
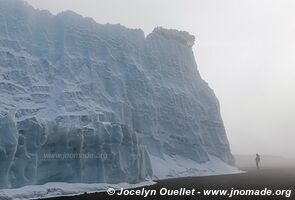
[(257, 159)]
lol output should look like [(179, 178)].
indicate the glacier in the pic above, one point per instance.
[(135, 104)]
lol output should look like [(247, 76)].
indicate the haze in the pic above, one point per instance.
[(244, 50)]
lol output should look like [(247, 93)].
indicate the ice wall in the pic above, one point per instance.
[(79, 87)]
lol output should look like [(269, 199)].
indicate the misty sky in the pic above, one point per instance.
[(245, 50)]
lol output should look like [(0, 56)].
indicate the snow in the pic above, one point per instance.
[(62, 189), (70, 86), (171, 167)]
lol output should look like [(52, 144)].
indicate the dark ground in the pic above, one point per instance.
[(274, 179)]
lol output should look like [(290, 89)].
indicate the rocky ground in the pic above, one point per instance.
[(272, 179)]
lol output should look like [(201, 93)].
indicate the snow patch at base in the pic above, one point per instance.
[(63, 189), (177, 166)]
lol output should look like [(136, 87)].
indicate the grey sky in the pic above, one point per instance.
[(245, 50)]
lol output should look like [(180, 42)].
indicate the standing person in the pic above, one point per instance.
[(257, 159)]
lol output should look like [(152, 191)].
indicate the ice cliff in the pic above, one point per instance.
[(135, 105)]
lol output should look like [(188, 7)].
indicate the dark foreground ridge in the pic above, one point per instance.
[(272, 179)]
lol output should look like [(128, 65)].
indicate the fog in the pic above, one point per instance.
[(244, 50)]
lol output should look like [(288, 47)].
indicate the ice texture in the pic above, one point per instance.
[(71, 86)]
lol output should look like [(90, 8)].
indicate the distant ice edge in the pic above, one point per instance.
[(136, 105)]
